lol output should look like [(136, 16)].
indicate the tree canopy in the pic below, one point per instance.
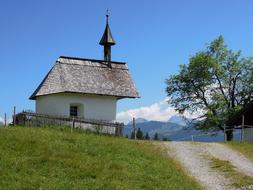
[(156, 136), (139, 134), (214, 84), (147, 137)]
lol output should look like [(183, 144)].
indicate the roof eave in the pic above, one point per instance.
[(33, 97)]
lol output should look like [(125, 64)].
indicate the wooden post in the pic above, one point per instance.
[(134, 127), (24, 118), (5, 120), (121, 129), (192, 138), (242, 129), (73, 124), (225, 135), (14, 116), (116, 130)]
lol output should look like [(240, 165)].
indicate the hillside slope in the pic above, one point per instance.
[(55, 158)]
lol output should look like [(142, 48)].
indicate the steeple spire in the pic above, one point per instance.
[(107, 40)]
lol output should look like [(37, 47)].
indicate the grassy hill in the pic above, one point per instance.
[(55, 158)]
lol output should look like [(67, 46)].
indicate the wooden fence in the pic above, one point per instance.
[(244, 136), (34, 119)]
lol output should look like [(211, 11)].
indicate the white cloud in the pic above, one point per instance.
[(160, 111), (8, 120), (1, 120)]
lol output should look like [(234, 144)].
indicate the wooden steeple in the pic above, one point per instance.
[(107, 40)]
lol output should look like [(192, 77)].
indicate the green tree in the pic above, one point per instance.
[(156, 136), (214, 84), (132, 135), (147, 136), (139, 134)]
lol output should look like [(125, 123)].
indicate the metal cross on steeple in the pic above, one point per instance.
[(107, 15)]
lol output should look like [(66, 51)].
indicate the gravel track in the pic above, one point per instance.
[(194, 157)]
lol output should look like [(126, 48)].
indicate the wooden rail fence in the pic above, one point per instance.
[(34, 119)]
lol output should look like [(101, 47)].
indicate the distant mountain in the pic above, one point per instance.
[(138, 120), (152, 127), (175, 132), (178, 119)]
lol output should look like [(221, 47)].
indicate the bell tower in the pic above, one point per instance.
[(107, 41)]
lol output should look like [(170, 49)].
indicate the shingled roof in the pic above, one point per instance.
[(87, 76)]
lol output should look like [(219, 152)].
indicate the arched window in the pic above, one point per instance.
[(73, 111), (76, 110)]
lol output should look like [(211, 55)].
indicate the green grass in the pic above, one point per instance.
[(245, 148), (239, 180), (54, 158)]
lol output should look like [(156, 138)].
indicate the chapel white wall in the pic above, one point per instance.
[(94, 106)]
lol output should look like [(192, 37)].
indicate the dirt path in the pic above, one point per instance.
[(194, 158)]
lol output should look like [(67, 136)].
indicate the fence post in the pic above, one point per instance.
[(5, 120), (121, 130), (242, 129), (225, 135), (14, 116), (134, 127), (116, 130), (24, 118), (192, 138), (73, 124)]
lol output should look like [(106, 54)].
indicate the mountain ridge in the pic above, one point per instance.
[(175, 131)]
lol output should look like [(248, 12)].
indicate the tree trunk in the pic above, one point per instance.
[(229, 135)]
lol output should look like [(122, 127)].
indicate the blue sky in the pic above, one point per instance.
[(154, 37)]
